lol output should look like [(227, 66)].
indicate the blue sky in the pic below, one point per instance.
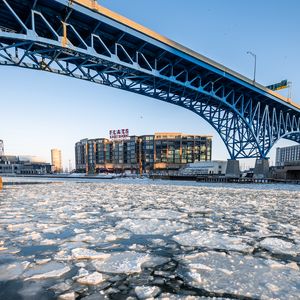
[(40, 111)]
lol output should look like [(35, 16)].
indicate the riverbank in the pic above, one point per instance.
[(223, 179), (64, 176), (206, 179)]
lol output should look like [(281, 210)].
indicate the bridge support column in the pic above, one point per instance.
[(233, 168), (261, 169), (1, 184)]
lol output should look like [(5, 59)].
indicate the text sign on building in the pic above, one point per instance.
[(119, 134), (278, 86)]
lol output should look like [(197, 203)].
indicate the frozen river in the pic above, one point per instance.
[(149, 240)]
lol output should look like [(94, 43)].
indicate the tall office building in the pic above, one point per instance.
[(56, 160), (1, 148)]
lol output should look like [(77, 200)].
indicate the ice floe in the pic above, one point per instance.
[(168, 296), (61, 287), (91, 279), (239, 275), (145, 292), (67, 296), (83, 253), (280, 246), (165, 214), (124, 262), (45, 271), (212, 240), (128, 262), (11, 271), (42, 261), (152, 226)]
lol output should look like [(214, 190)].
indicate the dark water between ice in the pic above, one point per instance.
[(145, 240)]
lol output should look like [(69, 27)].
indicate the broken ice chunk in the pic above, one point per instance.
[(12, 271), (145, 292), (49, 270), (152, 226), (91, 279), (60, 287), (213, 240), (83, 253), (67, 296), (279, 246), (239, 275), (125, 262)]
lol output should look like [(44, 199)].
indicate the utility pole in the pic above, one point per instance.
[(254, 56), (289, 90)]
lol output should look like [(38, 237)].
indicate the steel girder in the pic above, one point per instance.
[(248, 124)]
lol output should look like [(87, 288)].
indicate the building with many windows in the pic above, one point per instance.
[(287, 154), (141, 154), (204, 168), (24, 165)]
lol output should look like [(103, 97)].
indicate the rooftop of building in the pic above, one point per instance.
[(288, 147), (22, 159), (177, 134), (156, 135)]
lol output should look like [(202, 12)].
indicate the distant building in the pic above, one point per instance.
[(10, 164), (161, 152), (56, 160), (287, 154), (287, 163), (1, 147), (216, 167)]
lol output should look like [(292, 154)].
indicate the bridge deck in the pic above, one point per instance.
[(93, 5), (81, 39)]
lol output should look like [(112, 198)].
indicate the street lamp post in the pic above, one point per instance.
[(254, 55)]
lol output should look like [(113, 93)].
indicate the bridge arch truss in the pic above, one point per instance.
[(68, 39)]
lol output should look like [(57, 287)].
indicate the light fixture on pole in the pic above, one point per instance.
[(254, 55)]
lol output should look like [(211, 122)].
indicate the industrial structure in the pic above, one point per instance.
[(161, 152), (56, 161), (84, 40)]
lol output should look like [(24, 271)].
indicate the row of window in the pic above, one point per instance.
[(150, 151)]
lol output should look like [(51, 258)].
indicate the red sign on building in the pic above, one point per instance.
[(119, 134)]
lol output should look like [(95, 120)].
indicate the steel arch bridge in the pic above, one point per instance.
[(81, 39)]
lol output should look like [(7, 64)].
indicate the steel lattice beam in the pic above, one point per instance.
[(248, 122)]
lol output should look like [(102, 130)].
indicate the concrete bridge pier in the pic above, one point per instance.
[(233, 168), (261, 169)]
